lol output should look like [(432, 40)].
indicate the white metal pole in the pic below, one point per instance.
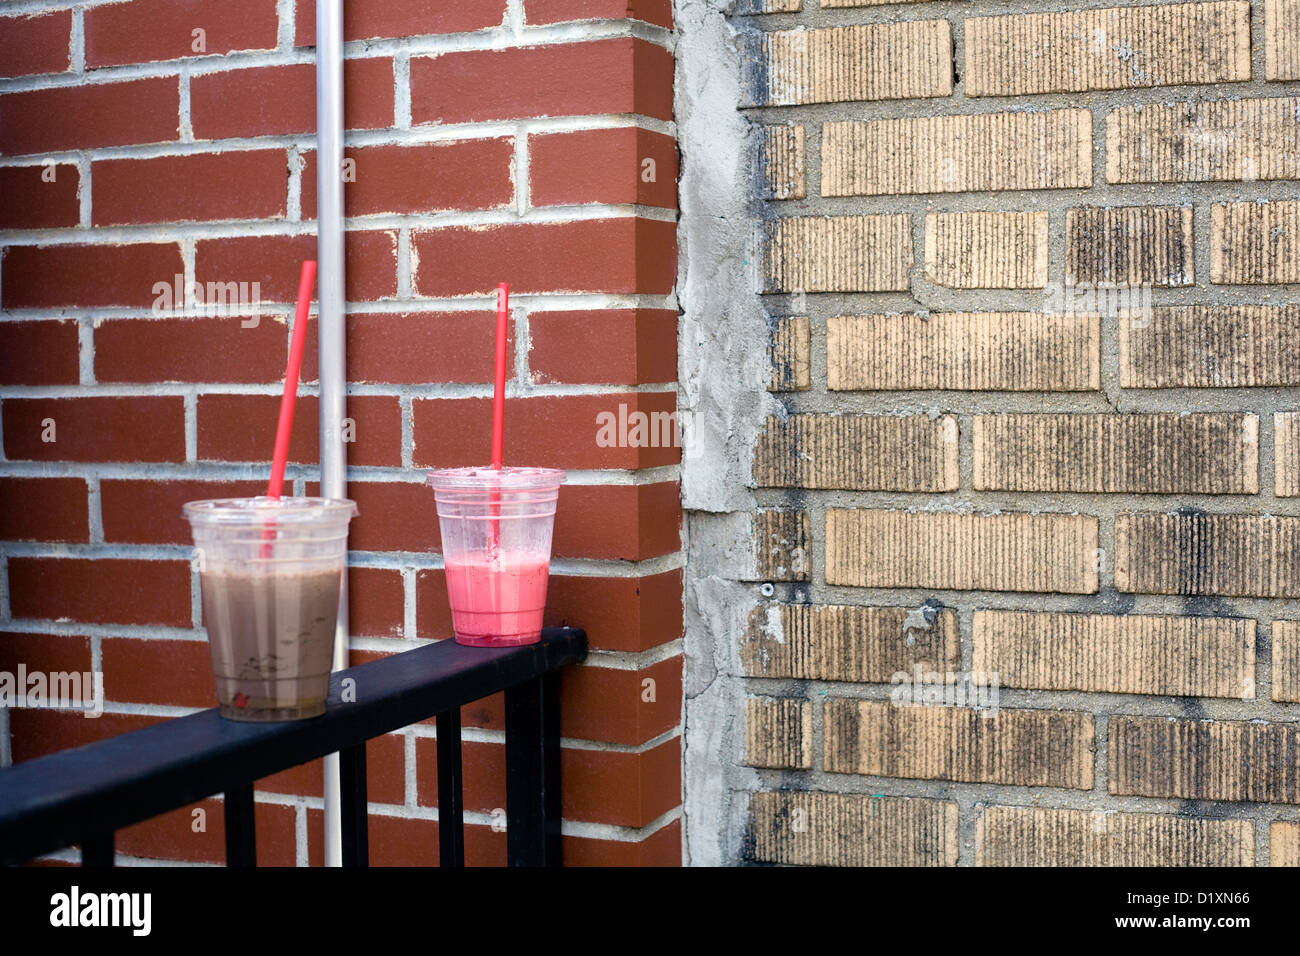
[(333, 342)]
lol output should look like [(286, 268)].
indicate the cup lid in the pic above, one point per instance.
[(509, 479), (281, 510)]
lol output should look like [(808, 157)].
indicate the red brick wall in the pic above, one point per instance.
[(492, 140)]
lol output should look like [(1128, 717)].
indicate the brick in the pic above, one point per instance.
[(629, 522), (628, 707), (242, 427), (51, 277), (1117, 654), (1286, 661), (843, 829), (409, 842), (1003, 351), (1042, 836), (661, 848), (1111, 49), (433, 610), (1051, 149), (191, 350), (625, 255), (42, 352), (864, 452), (783, 162), (38, 732), (174, 673), (397, 19), (880, 61), (986, 250), (791, 355), (1286, 454), (50, 654), (602, 786), (89, 115), (1231, 554), (274, 262), (385, 773), (782, 545), (44, 509), (658, 12), (148, 30), (1218, 140), (1027, 748), (841, 254), (1281, 39), (281, 100), (40, 197), (1255, 243), (376, 602), (243, 184), (1129, 246), (628, 430), (628, 165), (100, 591), (623, 75), (1210, 346), (95, 428), (867, 645), (1283, 843), (1204, 759), (412, 348), (171, 836), (618, 614), (638, 347), (148, 511), (429, 177), (778, 733), (1169, 453), (36, 43), (392, 516), (964, 552)]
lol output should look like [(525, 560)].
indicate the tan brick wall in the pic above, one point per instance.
[(778, 733), (1038, 836), (1117, 654), (1034, 304), (1284, 843), (828, 829), (1097, 49)]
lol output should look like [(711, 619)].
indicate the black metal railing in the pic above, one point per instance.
[(84, 795)]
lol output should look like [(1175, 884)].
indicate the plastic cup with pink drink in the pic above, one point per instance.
[(496, 542)]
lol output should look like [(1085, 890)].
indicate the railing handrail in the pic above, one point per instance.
[(55, 801)]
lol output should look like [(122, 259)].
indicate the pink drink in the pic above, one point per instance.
[(496, 545), (497, 602)]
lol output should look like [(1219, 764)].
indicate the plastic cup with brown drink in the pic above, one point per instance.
[(270, 572)]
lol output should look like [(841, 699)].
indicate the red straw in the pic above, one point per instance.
[(499, 395), (499, 408), (291, 372)]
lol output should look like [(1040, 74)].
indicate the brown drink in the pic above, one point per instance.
[(272, 640)]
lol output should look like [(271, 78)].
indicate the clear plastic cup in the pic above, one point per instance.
[(496, 543), (270, 572)]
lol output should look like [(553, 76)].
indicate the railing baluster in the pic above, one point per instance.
[(451, 808), (533, 773), (98, 850), (241, 828), (356, 823)]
